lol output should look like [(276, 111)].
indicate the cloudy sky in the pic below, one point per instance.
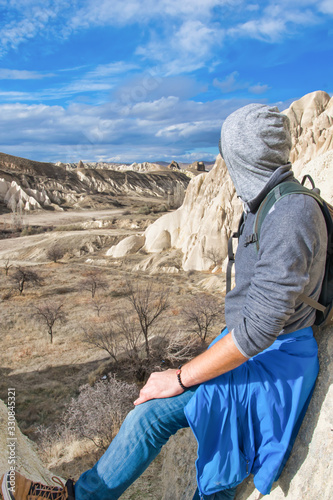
[(144, 80)]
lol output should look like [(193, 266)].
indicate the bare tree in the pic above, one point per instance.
[(215, 256), (98, 306), (22, 276), (92, 281), (48, 314), (202, 313), (55, 253), (104, 336), (7, 266), (131, 333), (149, 304)]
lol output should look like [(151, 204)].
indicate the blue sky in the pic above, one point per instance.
[(134, 80)]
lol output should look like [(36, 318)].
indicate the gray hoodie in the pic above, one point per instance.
[(255, 142)]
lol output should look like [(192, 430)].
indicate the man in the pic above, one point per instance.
[(245, 397)]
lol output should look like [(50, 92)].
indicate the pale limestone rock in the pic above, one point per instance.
[(158, 243), (201, 226), (311, 119), (26, 460), (16, 197), (131, 244), (321, 170), (164, 262)]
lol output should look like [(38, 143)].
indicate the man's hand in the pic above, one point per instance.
[(219, 358), (160, 385)]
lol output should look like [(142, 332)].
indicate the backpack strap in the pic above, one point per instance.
[(277, 193), (284, 189), (231, 254)]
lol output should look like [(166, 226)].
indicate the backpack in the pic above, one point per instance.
[(324, 307)]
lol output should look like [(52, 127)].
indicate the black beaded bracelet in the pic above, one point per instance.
[(178, 372)]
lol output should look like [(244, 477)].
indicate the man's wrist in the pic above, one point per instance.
[(178, 373)]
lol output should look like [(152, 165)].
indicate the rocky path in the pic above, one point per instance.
[(46, 218)]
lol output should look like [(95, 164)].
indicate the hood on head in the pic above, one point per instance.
[(255, 142)]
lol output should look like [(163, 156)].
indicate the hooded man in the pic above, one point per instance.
[(245, 397)]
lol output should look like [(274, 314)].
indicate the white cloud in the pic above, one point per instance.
[(259, 88), (230, 83), (119, 12), (27, 19), (111, 69), (150, 130), (277, 20), (184, 48), (326, 6), (270, 30), (18, 74)]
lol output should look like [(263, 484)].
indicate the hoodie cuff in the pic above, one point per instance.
[(238, 346)]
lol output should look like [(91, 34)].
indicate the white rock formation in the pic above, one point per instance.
[(15, 197), (135, 167), (131, 244), (201, 226), (311, 119)]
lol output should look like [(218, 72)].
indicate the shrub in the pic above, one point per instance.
[(160, 208), (55, 253), (144, 210), (99, 411)]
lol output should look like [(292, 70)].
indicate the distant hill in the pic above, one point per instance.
[(28, 185)]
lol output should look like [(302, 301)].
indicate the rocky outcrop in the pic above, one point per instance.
[(128, 245), (199, 166), (200, 228), (173, 165), (120, 167), (21, 451), (29, 185), (311, 120)]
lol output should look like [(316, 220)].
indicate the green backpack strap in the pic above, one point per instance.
[(276, 194)]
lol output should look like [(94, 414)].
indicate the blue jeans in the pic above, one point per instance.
[(140, 439)]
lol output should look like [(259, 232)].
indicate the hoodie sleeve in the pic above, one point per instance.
[(291, 261)]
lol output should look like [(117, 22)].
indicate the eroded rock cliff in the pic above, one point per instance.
[(29, 185)]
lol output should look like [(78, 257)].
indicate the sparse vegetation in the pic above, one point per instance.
[(47, 375), (202, 313), (48, 314), (144, 210), (55, 253), (149, 304), (96, 414), (98, 306), (30, 230), (7, 266), (24, 276), (215, 256), (93, 281), (103, 336)]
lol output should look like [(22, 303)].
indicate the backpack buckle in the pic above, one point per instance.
[(252, 238)]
